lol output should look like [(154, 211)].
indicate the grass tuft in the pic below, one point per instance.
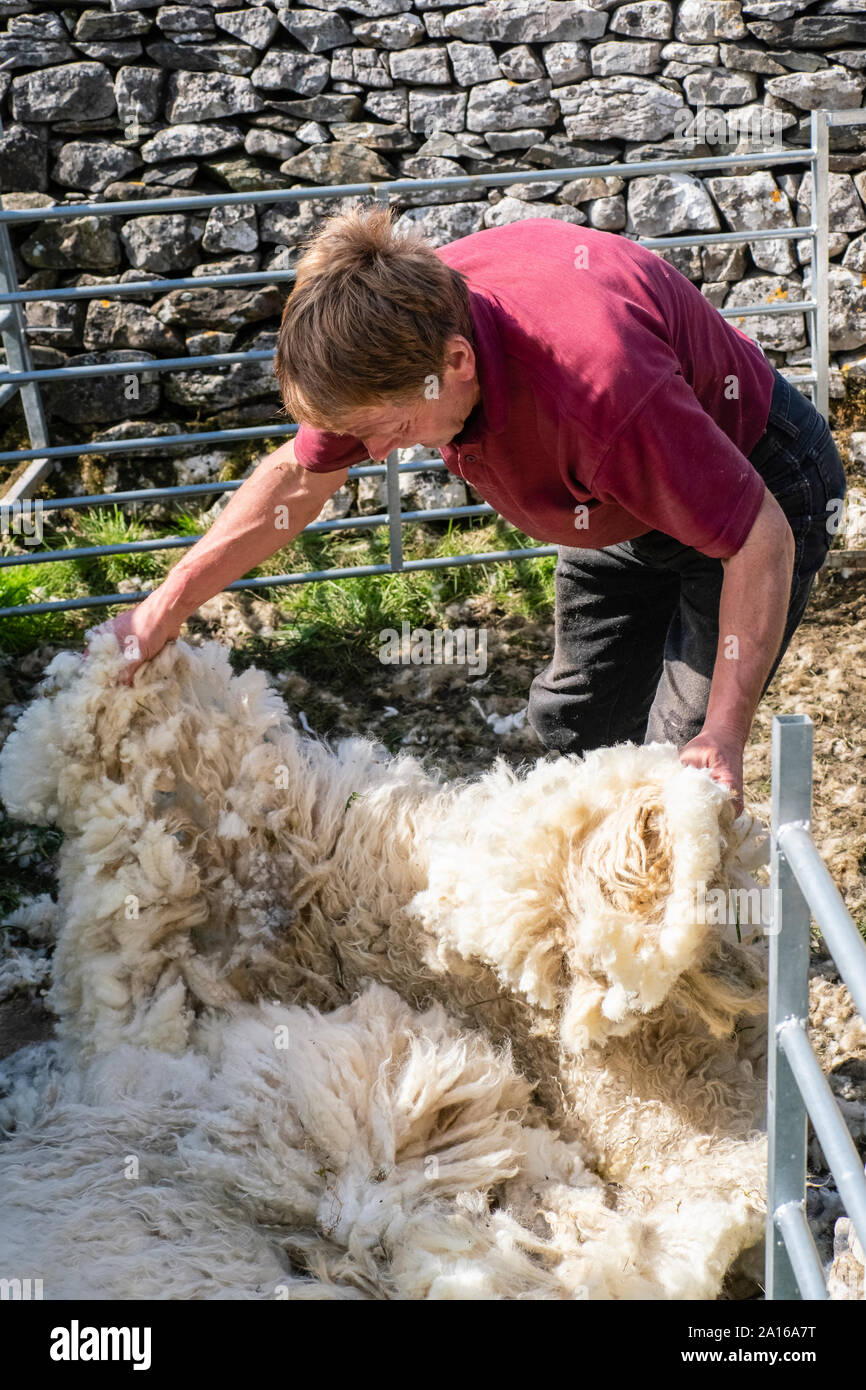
[(325, 621)]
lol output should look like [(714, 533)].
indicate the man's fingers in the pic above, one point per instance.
[(726, 780), (722, 760)]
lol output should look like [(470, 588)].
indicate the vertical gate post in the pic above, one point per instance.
[(13, 329), (788, 996), (820, 316), (392, 474), (395, 524)]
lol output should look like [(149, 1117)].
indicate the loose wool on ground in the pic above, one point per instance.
[(330, 1027)]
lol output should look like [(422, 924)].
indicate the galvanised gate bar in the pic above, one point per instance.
[(801, 886), (21, 377)]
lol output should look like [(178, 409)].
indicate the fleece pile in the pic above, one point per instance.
[(330, 1027)]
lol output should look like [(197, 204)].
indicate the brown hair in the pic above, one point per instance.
[(368, 320)]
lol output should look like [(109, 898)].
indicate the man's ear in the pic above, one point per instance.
[(460, 358)]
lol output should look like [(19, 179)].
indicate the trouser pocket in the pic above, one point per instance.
[(800, 464)]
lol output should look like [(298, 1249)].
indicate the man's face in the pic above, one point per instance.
[(433, 418)]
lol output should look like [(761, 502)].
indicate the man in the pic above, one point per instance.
[(597, 400)]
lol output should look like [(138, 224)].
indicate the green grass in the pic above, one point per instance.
[(326, 622), (63, 579), (358, 608), (109, 526), (187, 524), (24, 584)]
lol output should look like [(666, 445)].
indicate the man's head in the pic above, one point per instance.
[(376, 339)]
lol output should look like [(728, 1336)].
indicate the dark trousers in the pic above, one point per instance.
[(637, 624)]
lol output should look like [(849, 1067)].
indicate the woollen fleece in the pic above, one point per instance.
[(371, 1034)]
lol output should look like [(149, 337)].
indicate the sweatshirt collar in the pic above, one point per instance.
[(490, 415)]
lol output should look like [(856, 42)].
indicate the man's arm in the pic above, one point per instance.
[(271, 507), (752, 613)]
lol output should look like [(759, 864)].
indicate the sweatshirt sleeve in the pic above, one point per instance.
[(323, 452), (672, 467)]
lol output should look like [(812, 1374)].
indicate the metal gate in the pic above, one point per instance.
[(21, 377), (801, 887), (800, 879)]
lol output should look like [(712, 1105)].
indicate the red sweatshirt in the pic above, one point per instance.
[(615, 399)]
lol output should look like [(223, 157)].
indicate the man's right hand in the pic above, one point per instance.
[(139, 635), (270, 508)]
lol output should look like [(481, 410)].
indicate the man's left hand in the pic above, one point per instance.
[(722, 754)]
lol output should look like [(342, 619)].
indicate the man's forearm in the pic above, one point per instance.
[(271, 507), (752, 614)]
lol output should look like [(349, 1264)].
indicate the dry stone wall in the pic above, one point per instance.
[(135, 99)]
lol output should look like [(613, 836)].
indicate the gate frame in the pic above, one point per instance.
[(801, 886), (40, 456)]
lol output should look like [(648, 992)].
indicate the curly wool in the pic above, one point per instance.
[(486, 1012)]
